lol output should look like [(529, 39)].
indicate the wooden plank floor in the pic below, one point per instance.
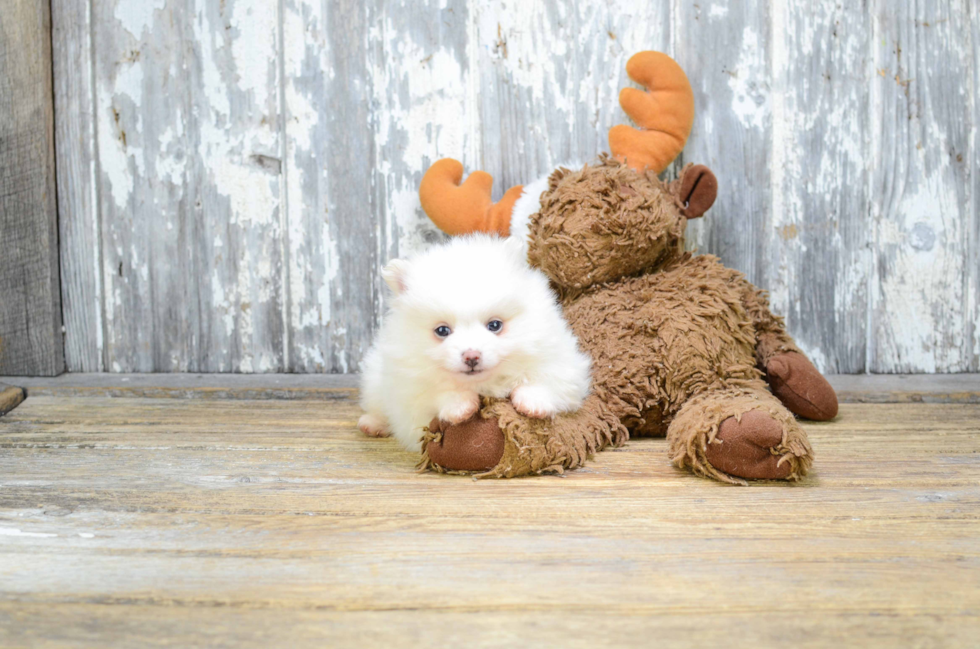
[(246, 523)]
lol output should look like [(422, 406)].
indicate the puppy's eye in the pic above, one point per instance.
[(442, 331), (495, 325)]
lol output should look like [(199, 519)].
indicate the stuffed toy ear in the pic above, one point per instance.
[(395, 275), (664, 113), (698, 191), (466, 208)]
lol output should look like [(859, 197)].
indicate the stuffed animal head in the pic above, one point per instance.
[(607, 220)]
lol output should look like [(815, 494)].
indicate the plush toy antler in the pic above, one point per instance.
[(665, 113), (461, 209)]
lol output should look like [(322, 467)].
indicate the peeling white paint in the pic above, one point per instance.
[(923, 309), (919, 317), (747, 80), (135, 16), (256, 23), (171, 164), (214, 85), (113, 157), (817, 168), (515, 89), (785, 210), (251, 191), (129, 82), (309, 276)]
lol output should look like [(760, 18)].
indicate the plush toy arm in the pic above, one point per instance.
[(502, 443), (790, 374)]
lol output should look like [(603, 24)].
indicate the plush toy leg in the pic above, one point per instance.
[(791, 376), (736, 432), (502, 443)]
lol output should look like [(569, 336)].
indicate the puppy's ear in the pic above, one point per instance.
[(517, 249), (395, 275)]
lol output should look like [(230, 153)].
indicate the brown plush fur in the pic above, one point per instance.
[(677, 340)]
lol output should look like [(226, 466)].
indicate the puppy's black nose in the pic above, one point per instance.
[(471, 357)]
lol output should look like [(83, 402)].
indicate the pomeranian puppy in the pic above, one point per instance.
[(469, 318)]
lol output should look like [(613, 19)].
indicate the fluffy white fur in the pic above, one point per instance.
[(412, 374), (528, 204)]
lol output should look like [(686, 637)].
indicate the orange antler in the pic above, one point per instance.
[(466, 208), (664, 113)]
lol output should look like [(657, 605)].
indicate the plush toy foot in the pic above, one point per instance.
[(746, 447), (737, 433), (476, 444), (804, 390)]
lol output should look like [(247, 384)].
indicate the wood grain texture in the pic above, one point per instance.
[(817, 242), (732, 127), (922, 187), (77, 164), (260, 189), (125, 626), (30, 293), (273, 523), (188, 123), (333, 235), (973, 253), (548, 77)]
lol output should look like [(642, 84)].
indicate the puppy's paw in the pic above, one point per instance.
[(373, 426), (461, 409), (533, 401)]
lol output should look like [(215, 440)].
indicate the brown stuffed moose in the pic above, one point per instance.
[(681, 345)]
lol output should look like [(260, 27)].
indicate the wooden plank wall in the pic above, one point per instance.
[(30, 294), (233, 174)]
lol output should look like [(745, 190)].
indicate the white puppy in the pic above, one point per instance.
[(470, 318)]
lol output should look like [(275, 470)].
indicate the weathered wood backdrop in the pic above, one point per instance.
[(233, 173), (30, 297)]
